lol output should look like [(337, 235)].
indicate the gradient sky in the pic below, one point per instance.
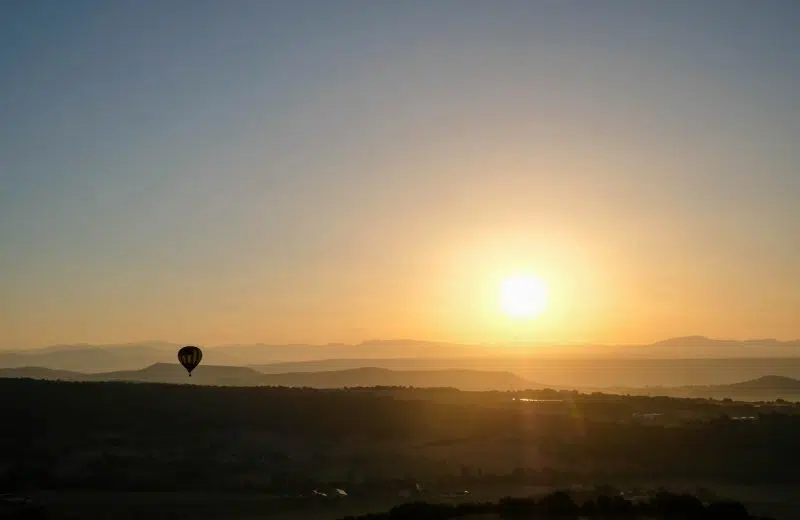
[(312, 171)]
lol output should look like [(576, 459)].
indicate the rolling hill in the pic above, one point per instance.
[(43, 373), (107, 358), (767, 388), (378, 353), (243, 376), (371, 376), (583, 373)]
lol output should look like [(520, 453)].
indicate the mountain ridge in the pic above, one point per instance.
[(674, 340), (765, 388), (392, 354), (245, 376)]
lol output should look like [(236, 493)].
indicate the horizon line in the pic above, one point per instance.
[(373, 341)]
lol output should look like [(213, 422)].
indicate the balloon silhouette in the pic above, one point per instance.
[(190, 357)]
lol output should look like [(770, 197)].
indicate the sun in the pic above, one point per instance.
[(523, 296)]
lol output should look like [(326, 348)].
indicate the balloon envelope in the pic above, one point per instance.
[(190, 357)]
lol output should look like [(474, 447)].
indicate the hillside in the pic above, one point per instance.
[(118, 437), (105, 358), (42, 373), (370, 376), (175, 374), (243, 376), (579, 373), (769, 383), (701, 346), (762, 388), (766, 388), (133, 356)]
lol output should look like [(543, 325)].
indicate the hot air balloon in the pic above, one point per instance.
[(190, 357)]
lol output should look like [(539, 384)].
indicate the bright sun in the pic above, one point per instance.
[(523, 296)]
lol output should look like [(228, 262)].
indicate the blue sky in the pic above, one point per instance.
[(313, 171)]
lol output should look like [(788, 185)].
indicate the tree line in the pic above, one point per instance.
[(664, 505)]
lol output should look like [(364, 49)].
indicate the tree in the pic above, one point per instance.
[(727, 510), (558, 504)]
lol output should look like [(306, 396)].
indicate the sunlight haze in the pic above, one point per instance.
[(310, 171), (523, 296)]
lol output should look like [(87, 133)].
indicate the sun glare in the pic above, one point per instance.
[(523, 296)]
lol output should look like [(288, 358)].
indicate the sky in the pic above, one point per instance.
[(243, 171)]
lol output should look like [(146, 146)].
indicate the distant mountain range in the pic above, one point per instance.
[(702, 346), (106, 358), (767, 388), (579, 372), (676, 362), (243, 376)]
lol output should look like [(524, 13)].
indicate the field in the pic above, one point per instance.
[(92, 451)]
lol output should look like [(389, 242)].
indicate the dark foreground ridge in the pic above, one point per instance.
[(561, 505), (376, 444), (762, 388), (661, 505)]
